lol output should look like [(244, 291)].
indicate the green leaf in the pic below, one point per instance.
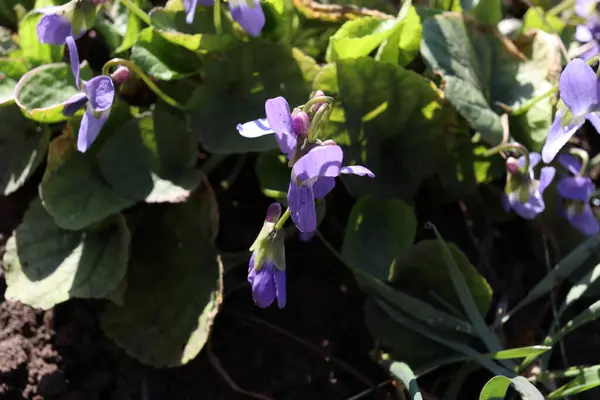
[(403, 44), (162, 59), (22, 148), (416, 342), (421, 270), (42, 92), (151, 159), (520, 352), (478, 74), (468, 301), (589, 315), (273, 174), (386, 118), (109, 31), (543, 69), (497, 387), (33, 50), (242, 79), (73, 190), (586, 379), (174, 284), (406, 375), (11, 70), (412, 306), (377, 231), (47, 265), (359, 37), (134, 26), (532, 20), (486, 11), (200, 36)]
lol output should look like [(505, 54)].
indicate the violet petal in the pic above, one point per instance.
[(319, 161)]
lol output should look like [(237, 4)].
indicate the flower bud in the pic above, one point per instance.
[(512, 165), (301, 123), (273, 213), (269, 244), (266, 269), (120, 75)]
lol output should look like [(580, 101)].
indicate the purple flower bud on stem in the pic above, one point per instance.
[(301, 123), (512, 165), (273, 212), (120, 75)]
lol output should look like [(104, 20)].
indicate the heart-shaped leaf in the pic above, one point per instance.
[(174, 283), (46, 265), (42, 92), (22, 148)]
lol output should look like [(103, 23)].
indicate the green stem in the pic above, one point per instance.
[(560, 7), (217, 17), (138, 71), (583, 156), (315, 100), (282, 220), (527, 106), (321, 115), (510, 146), (134, 8)]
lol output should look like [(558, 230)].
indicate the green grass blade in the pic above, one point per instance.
[(491, 341), (496, 388), (426, 331), (413, 306), (588, 379), (519, 352), (589, 315)]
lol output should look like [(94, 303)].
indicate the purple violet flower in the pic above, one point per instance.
[(313, 177), (280, 121), (523, 193), (266, 269), (97, 95), (576, 192), (267, 284), (580, 92), (248, 13), (589, 32), (54, 27)]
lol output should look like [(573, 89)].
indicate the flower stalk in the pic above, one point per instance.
[(139, 72)]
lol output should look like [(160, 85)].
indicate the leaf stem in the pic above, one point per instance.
[(217, 17), (321, 115), (134, 8), (560, 7), (139, 72), (282, 220), (315, 100), (583, 156), (528, 105), (510, 146)]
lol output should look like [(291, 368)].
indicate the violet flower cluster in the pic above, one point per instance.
[(248, 13), (314, 166), (97, 95), (588, 33), (579, 101)]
